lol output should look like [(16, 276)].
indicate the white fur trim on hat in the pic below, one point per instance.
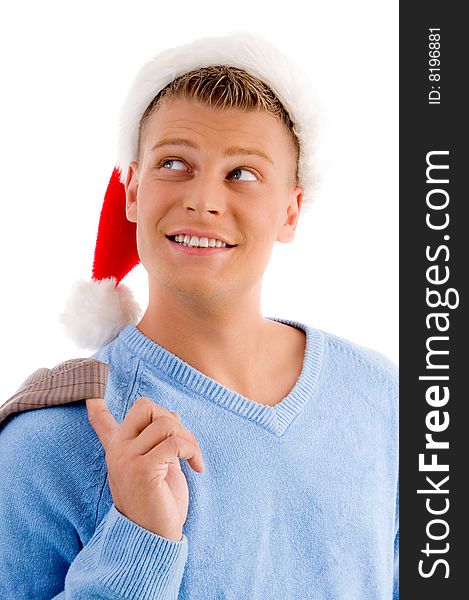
[(97, 310), (243, 50)]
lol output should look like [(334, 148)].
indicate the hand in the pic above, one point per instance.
[(142, 456)]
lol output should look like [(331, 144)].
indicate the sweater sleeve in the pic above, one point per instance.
[(49, 546), (124, 560)]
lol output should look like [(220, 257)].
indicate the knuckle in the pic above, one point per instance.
[(176, 416), (188, 435), (175, 441), (166, 422), (169, 427), (167, 419)]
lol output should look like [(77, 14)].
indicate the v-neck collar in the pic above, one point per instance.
[(275, 418)]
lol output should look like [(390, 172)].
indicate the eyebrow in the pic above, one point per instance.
[(231, 151)]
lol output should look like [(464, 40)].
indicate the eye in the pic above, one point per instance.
[(237, 174), (172, 164)]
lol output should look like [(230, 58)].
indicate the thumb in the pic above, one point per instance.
[(101, 420)]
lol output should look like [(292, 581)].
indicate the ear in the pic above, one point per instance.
[(292, 213), (131, 190)]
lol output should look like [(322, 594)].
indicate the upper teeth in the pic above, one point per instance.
[(194, 240)]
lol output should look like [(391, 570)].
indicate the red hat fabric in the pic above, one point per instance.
[(98, 309), (116, 244)]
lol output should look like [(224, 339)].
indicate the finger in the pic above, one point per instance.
[(101, 420), (158, 431), (143, 413), (176, 416), (177, 447)]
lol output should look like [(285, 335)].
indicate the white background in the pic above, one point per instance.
[(66, 68)]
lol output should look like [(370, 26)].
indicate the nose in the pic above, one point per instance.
[(205, 196)]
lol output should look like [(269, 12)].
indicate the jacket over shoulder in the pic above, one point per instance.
[(70, 381)]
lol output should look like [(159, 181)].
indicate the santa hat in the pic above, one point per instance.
[(98, 309)]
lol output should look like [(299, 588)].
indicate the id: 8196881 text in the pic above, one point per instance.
[(434, 76)]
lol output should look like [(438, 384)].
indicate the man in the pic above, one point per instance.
[(289, 433)]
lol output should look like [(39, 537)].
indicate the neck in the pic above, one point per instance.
[(225, 338)]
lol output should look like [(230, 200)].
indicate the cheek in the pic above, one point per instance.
[(152, 202), (264, 222), (261, 242)]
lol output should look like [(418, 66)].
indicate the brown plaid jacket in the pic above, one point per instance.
[(70, 381)]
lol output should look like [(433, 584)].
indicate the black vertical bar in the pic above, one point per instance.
[(434, 266)]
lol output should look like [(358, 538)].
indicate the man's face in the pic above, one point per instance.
[(225, 172)]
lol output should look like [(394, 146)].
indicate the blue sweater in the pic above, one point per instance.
[(298, 500)]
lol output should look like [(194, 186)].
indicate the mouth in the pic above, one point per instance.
[(179, 244), (189, 241)]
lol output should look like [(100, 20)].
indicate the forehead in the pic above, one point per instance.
[(200, 122)]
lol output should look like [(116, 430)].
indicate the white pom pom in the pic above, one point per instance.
[(97, 310)]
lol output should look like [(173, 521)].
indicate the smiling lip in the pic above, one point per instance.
[(196, 250), (199, 234)]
